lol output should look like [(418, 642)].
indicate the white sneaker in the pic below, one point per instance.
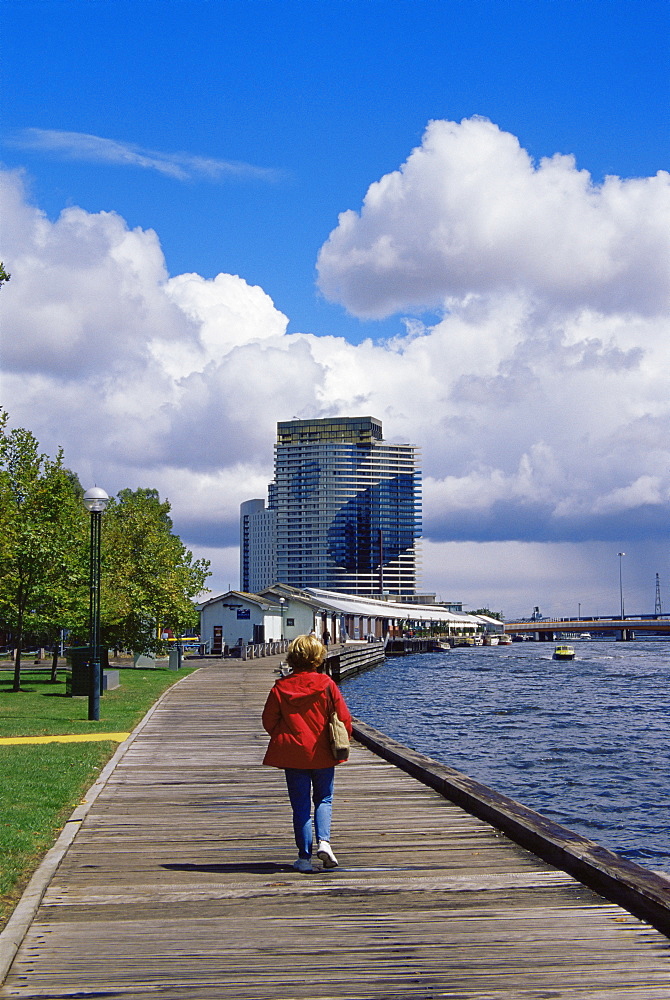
[(303, 865), (325, 854)]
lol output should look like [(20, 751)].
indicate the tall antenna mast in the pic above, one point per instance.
[(657, 603)]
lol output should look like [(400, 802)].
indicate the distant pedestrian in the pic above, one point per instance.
[(296, 716), (325, 638)]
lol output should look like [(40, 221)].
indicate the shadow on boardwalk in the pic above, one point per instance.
[(178, 884)]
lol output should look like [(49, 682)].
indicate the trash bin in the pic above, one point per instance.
[(78, 670)]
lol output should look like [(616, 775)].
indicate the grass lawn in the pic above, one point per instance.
[(41, 784)]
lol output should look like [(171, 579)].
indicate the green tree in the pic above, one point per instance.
[(491, 614), (149, 579), (3, 274), (42, 528)]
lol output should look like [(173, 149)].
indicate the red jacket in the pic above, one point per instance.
[(296, 715)]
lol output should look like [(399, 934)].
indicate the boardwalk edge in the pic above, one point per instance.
[(642, 892)]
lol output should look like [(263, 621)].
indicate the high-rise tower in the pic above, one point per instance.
[(346, 507), (258, 563)]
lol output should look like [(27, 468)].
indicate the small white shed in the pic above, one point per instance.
[(236, 618)]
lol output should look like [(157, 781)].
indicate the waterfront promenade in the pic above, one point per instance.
[(178, 884)]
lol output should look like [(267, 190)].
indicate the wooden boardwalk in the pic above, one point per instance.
[(179, 885)]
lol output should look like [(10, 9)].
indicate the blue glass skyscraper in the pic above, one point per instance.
[(347, 507)]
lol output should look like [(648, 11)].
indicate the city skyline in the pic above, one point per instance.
[(454, 216)]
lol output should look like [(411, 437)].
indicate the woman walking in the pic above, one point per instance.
[(296, 716)]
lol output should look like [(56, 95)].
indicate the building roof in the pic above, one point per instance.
[(258, 599), (352, 605), (488, 620), (283, 591)]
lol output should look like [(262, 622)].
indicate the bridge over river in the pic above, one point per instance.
[(550, 629)]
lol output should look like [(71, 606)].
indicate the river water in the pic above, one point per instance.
[(585, 742)]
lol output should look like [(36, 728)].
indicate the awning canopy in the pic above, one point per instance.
[(347, 604)]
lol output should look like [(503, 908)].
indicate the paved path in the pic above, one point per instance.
[(179, 885)]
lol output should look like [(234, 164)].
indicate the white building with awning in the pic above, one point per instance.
[(361, 617), (491, 625), (283, 612)]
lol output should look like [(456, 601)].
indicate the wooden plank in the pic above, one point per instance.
[(179, 884)]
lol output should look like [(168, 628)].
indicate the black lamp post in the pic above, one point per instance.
[(95, 501)]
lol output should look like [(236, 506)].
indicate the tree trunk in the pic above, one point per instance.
[(17, 657), (54, 664)]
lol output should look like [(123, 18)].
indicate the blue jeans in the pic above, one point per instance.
[(319, 784)]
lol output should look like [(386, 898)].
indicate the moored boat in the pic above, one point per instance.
[(564, 652)]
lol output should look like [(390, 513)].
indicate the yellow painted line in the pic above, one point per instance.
[(80, 738)]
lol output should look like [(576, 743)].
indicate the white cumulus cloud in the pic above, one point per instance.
[(470, 212)]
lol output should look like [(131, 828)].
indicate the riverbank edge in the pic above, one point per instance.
[(642, 892)]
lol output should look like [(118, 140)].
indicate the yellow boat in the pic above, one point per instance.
[(564, 653)]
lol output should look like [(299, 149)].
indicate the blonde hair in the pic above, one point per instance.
[(306, 653)]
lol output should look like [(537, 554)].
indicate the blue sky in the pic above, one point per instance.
[(330, 96), (238, 133)]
